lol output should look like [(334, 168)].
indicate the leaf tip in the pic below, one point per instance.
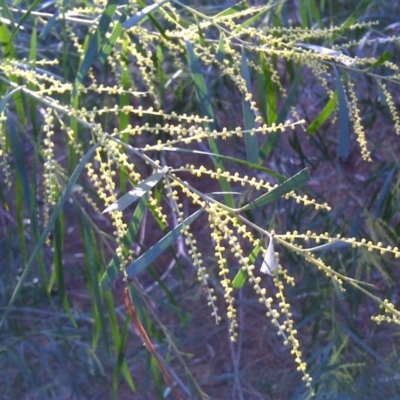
[(112, 207)]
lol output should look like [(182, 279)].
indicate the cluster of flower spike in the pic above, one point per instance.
[(391, 314), (285, 329), (220, 231), (327, 239), (258, 184), (121, 96)]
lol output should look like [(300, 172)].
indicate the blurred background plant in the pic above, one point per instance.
[(181, 103)]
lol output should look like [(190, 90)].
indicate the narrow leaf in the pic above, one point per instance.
[(114, 267), (248, 22), (95, 43), (336, 244), (337, 288), (291, 184), (50, 24), (137, 192), (382, 96), (313, 11), (33, 46), (59, 265), (291, 97), (154, 21), (121, 364), (110, 42), (221, 52), (19, 205), (272, 138), (7, 97), (199, 82), (269, 89), (232, 159), (326, 51), (24, 17), (134, 20), (7, 13), (385, 192), (53, 20), (61, 201), (248, 115), (150, 255), (351, 19), (324, 115), (92, 262), (16, 148), (6, 43), (362, 343), (207, 111), (233, 10), (119, 343), (241, 277), (344, 134), (384, 57)]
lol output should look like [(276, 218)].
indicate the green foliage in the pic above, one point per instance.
[(163, 153)]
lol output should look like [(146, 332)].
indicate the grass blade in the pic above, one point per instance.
[(241, 277), (24, 17), (384, 57), (59, 266), (57, 209), (248, 115), (153, 21), (344, 134), (221, 52), (7, 45), (270, 106), (207, 110), (54, 18), (7, 97), (19, 203), (6, 11), (141, 14), (324, 115), (137, 192), (200, 83), (270, 142), (110, 42), (16, 147), (147, 258), (92, 261), (95, 44), (252, 19), (233, 10), (291, 97), (121, 365), (114, 267), (232, 159), (350, 20), (385, 192), (292, 183)]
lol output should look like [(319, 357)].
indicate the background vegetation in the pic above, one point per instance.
[(140, 147)]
